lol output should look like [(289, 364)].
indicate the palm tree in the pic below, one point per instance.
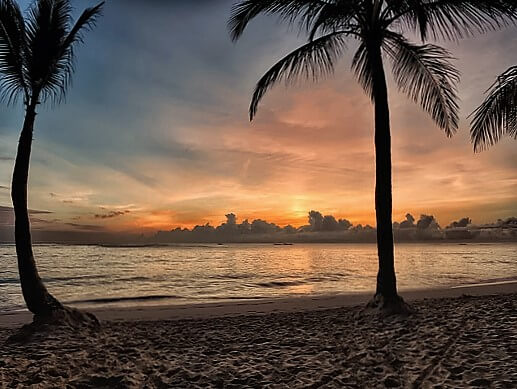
[(424, 72), (497, 115), (36, 63)]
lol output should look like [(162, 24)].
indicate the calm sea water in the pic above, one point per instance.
[(92, 275)]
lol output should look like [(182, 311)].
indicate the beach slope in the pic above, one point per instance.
[(468, 341)]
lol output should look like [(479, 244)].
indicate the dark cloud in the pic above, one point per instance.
[(260, 226), (36, 222), (424, 223), (5, 210), (320, 229), (56, 196), (318, 222), (501, 230), (427, 222), (328, 229), (426, 228), (408, 223), (111, 214), (509, 223), (7, 217), (85, 227), (464, 222)]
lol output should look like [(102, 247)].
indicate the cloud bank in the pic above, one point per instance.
[(325, 228), (319, 228)]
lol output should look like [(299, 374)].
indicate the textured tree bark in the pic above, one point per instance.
[(386, 280), (386, 296), (47, 310), (39, 301)]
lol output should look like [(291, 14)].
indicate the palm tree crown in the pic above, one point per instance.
[(497, 115), (37, 53), (424, 72)]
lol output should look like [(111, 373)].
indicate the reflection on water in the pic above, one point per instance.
[(189, 273)]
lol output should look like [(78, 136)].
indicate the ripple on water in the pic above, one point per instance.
[(207, 272)]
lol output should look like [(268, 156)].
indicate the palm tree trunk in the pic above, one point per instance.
[(386, 280), (36, 296)]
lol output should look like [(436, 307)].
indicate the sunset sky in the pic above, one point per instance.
[(155, 133)]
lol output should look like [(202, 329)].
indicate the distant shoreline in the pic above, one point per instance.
[(294, 243), (270, 305)]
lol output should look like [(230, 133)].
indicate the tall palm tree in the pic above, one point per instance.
[(36, 64), (497, 116), (423, 71)]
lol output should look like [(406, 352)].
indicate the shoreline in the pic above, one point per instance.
[(463, 342), (272, 242), (144, 313)]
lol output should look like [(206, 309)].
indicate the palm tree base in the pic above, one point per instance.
[(62, 318), (388, 306)]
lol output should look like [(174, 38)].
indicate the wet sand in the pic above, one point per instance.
[(468, 341)]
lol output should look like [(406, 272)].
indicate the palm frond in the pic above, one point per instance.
[(47, 24), (425, 73), (50, 41), (410, 13), (497, 115), (312, 60), (453, 19), (86, 22), (338, 15), (244, 11), (12, 50), (362, 68)]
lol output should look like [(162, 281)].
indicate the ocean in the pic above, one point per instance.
[(86, 276)]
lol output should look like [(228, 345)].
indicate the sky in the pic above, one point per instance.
[(154, 133)]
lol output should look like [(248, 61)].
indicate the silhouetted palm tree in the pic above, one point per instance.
[(497, 116), (424, 72), (36, 63)]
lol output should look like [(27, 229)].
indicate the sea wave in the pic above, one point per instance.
[(106, 300), (280, 284)]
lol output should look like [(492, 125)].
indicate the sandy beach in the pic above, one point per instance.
[(463, 337)]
